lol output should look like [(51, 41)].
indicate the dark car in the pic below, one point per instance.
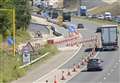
[(54, 15), (118, 19), (98, 30), (94, 16), (66, 16), (80, 26), (94, 64), (57, 34)]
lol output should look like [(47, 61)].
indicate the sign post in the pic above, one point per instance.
[(26, 55)]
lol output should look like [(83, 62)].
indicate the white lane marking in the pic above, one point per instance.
[(58, 66), (115, 66), (108, 74), (100, 82), (104, 78), (86, 66), (116, 63), (112, 70)]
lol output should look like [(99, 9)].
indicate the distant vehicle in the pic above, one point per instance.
[(83, 10), (80, 26), (109, 37), (108, 16), (101, 17), (57, 34), (54, 15), (117, 19), (94, 64), (98, 30), (66, 16), (94, 16), (89, 16)]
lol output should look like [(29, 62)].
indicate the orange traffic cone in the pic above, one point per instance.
[(46, 81), (69, 73), (82, 63), (78, 66), (74, 68), (63, 77), (86, 60), (55, 81), (90, 55)]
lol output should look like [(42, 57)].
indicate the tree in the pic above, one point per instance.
[(23, 13), (5, 23)]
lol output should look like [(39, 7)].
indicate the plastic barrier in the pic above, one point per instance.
[(70, 41)]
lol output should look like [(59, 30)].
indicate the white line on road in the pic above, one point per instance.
[(58, 66), (86, 66), (104, 78), (115, 66), (112, 70), (119, 61), (37, 81), (108, 74), (116, 63)]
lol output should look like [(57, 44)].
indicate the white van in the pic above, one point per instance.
[(108, 15)]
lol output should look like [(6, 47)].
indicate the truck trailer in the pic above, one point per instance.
[(109, 37)]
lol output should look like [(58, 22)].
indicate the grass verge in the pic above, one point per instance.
[(9, 67)]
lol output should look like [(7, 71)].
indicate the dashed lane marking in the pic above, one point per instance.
[(104, 78), (112, 70), (116, 63), (108, 74)]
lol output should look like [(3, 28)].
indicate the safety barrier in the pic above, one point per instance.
[(70, 41), (69, 73)]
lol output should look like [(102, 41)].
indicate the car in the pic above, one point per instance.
[(98, 30), (94, 64), (118, 19), (101, 17), (80, 26), (54, 15), (66, 16), (94, 16), (57, 33)]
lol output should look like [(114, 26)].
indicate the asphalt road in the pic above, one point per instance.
[(111, 64)]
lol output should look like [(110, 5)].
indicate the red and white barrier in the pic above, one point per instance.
[(70, 41)]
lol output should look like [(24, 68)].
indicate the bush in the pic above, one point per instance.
[(48, 48), (9, 68)]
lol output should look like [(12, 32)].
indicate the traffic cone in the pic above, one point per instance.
[(63, 77), (78, 66), (69, 73), (82, 63), (74, 68), (55, 81), (46, 81), (86, 60), (90, 55)]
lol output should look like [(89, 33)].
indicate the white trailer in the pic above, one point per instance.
[(109, 37)]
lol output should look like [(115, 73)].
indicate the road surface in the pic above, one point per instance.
[(111, 64)]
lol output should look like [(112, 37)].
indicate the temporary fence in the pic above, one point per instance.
[(71, 41)]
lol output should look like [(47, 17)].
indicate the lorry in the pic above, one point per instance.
[(109, 37), (83, 10)]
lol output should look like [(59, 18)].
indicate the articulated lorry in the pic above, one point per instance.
[(109, 37), (83, 10)]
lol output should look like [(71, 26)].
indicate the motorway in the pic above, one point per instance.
[(111, 64)]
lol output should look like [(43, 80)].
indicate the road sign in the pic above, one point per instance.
[(26, 55)]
